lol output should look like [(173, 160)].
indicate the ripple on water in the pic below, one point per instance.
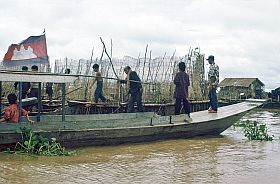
[(229, 158)]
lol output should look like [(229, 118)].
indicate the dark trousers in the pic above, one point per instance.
[(135, 97), (98, 92), (33, 93), (49, 91), (186, 105), (213, 99), (23, 94), (98, 95)]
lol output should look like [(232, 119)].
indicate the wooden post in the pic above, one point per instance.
[(20, 100), (119, 92), (0, 99), (39, 101), (63, 102)]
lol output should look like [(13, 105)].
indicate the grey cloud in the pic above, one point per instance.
[(242, 34)]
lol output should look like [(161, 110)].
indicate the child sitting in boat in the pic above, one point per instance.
[(11, 113)]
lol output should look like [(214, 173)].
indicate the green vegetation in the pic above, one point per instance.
[(36, 144), (254, 130)]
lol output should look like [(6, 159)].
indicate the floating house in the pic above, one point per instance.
[(241, 88), (275, 94)]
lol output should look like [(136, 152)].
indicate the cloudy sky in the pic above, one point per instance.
[(243, 35)]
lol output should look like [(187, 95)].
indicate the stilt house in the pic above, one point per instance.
[(241, 88)]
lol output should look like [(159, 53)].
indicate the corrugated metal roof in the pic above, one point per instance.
[(244, 82)]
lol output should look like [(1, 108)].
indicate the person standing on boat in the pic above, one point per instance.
[(49, 88), (33, 90), (181, 93), (25, 85), (64, 85), (34, 87), (11, 113), (67, 71), (213, 81), (135, 89), (98, 94)]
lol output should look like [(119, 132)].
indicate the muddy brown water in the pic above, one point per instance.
[(229, 158)]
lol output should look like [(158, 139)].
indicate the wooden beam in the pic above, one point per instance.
[(11, 76)]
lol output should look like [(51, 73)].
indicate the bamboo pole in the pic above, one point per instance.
[(87, 72), (158, 67), (137, 64), (145, 61), (109, 57), (149, 71)]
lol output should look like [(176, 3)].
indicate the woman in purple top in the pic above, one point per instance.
[(181, 93)]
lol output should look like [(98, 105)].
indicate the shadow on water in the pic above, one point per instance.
[(228, 158)]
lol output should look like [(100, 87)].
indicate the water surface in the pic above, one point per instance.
[(229, 158)]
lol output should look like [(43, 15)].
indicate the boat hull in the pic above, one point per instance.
[(115, 136), (114, 129), (143, 134)]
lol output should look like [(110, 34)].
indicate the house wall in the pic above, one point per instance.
[(258, 89), (255, 90), (276, 94), (233, 92)]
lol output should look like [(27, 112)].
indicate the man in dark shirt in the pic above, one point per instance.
[(25, 85), (33, 90), (181, 92), (135, 89), (49, 87)]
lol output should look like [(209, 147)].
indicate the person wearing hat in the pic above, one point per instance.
[(213, 81)]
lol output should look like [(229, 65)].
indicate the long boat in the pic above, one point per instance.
[(114, 129)]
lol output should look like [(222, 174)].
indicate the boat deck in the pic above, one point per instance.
[(114, 129), (127, 120), (225, 111)]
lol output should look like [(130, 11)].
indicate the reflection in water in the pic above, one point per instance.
[(228, 158)]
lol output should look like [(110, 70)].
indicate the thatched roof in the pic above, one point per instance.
[(244, 82)]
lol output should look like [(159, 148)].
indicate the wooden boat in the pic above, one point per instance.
[(113, 129)]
